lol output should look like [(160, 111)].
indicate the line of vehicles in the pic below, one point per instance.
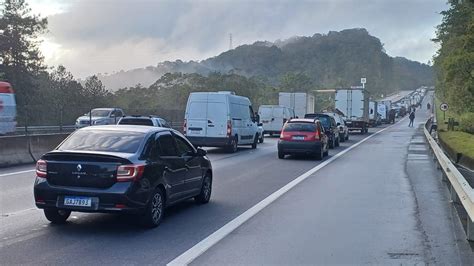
[(138, 165)]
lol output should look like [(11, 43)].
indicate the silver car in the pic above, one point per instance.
[(100, 116), (341, 125)]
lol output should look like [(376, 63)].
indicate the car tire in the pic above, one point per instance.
[(319, 154), (332, 144), (233, 145), (281, 155), (261, 139), (326, 153), (56, 216), (155, 209), (255, 141), (206, 190), (337, 142)]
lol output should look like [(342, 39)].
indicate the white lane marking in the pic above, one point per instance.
[(17, 173), (201, 247)]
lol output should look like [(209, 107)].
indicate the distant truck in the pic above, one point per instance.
[(382, 111), (7, 109), (354, 104), (301, 102), (374, 117)]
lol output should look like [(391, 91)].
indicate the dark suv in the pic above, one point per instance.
[(121, 169), (330, 126), (138, 120)]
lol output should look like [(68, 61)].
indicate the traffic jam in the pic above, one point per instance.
[(140, 165)]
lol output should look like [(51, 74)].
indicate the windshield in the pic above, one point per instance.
[(99, 113), (136, 121), (103, 140), (300, 127)]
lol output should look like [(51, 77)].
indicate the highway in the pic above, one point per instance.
[(373, 200)]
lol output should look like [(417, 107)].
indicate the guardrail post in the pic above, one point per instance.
[(470, 229), (454, 195)]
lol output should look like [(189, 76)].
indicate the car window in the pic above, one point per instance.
[(302, 127), (166, 146), (103, 140), (136, 121), (183, 146)]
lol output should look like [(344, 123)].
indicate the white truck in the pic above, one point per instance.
[(374, 118), (301, 102), (7, 109), (273, 117), (354, 104)]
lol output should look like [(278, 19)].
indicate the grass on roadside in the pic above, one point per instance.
[(459, 141)]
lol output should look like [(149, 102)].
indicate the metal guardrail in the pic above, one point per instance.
[(460, 190)]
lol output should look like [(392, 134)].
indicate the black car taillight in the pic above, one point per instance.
[(41, 168), (130, 172)]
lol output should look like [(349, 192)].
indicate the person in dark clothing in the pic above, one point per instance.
[(412, 118), (428, 106), (391, 116)]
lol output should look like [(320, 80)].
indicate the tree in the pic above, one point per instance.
[(96, 92), (19, 51)]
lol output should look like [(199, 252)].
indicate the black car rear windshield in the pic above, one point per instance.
[(325, 120), (301, 127), (136, 121), (103, 140)]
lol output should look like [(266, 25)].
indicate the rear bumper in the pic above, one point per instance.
[(103, 200), (298, 147), (356, 125), (210, 141)]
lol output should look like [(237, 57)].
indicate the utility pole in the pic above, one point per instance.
[(230, 41)]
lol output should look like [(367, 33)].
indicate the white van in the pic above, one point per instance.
[(220, 119), (7, 108), (273, 117)]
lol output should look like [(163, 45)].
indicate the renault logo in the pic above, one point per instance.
[(79, 167)]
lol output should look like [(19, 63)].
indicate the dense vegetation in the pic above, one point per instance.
[(454, 62), (259, 71)]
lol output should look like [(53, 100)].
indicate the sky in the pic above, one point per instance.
[(105, 36)]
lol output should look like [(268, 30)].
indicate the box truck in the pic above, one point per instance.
[(301, 102), (354, 104), (7, 108)]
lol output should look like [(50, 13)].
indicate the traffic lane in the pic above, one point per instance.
[(240, 182), (359, 209), (16, 189)]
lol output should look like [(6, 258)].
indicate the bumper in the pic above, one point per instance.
[(115, 199), (209, 141), (356, 125), (298, 147)]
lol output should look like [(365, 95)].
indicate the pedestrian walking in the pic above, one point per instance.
[(412, 118)]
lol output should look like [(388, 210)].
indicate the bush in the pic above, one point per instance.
[(466, 122)]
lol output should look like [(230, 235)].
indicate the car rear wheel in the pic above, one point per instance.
[(319, 154), (281, 155), (261, 139), (56, 216), (233, 145), (326, 153), (155, 209), (206, 190)]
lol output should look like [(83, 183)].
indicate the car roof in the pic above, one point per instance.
[(126, 128), (141, 117), (302, 120), (107, 109)]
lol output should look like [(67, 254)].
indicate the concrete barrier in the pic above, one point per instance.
[(22, 149)]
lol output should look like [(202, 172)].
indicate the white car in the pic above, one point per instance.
[(341, 125), (100, 116), (220, 119)]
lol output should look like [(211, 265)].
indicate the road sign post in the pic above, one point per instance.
[(444, 107)]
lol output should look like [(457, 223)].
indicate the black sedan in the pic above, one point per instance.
[(121, 169)]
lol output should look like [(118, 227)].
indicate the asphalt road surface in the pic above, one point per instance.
[(359, 208)]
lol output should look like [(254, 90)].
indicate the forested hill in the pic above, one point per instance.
[(336, 59)]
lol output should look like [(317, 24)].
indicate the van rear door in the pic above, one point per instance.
[(196, 119), (217, 119)]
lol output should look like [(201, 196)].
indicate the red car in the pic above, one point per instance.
[(303, 136)]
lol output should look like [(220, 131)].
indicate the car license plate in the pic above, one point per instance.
[(78, 201), (298, 138)]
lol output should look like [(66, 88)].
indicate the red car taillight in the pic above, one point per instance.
[(229, 128), (285, 136), (130, 172), (41, 168)]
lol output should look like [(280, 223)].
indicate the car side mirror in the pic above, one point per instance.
[(338, 124), (201, 152), (260, 124)]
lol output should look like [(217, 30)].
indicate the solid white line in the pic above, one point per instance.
[(17, 173), (201, 247)]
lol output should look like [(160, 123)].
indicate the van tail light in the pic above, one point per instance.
[(229, 128), (130, 172), (41, 168), (184, 127)]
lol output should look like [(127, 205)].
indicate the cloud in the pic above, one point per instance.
[(110, 35)]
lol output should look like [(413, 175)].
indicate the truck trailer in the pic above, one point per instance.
[(301, 102), (354, 104)]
